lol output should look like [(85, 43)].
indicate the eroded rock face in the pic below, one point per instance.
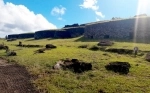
[(148, 57), (119, 67), (74, 65), (119, 29)]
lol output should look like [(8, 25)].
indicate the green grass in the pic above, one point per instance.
[(52, 81)]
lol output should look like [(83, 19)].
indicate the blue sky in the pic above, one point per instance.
[(20, 16)]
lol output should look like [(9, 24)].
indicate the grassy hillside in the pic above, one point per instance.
[(65, 81)]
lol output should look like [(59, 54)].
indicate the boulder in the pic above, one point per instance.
[(105, 43), (147, 57), (118, 67)]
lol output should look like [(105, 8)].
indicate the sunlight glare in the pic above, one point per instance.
[(142, 8)]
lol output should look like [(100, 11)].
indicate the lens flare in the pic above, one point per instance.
[(142, 8)]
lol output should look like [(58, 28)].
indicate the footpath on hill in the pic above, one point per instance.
[(14, 79)]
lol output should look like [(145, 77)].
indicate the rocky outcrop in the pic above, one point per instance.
[(12, 36), (75, 31), (125, 29), (44, 34), (26, 35)]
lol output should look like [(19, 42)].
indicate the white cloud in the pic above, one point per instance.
[(58, 11), (99, 14), (16, 19), (92, 4), (97, 19)]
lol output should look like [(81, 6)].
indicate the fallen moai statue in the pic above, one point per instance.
[(105, 43), (120, 51), (39, 50), (74, 64), (119, 67), (11, 53), (50, 46)]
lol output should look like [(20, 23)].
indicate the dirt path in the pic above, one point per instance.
[(14, 79)]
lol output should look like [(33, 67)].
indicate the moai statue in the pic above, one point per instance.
[(20, 43), (135, 51)]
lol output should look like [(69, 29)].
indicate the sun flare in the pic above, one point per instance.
[(142, 8)]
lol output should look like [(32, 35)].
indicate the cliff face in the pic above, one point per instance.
[(75, 31), (13, 36), (69, 32), (26, 35), (21, 36), (137, 28), (44, 34)]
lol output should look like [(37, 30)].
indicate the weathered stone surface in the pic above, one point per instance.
[(119, 67), (75, 31), (62, 34), (21, 36), (44, 34), (105, 43), (26, 35), (148, 57), (67, 32), (120, 29), (12, 36)]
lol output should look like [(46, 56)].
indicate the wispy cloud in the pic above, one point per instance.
[(99, 14), (58, 12), (92, 4), (16, 19)]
